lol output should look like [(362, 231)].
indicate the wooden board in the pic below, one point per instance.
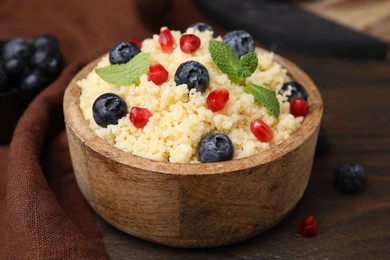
[(366, 16), (289, 26)]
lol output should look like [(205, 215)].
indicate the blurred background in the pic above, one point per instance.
[(353, 29)]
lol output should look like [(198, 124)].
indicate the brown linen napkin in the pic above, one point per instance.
[(42, 212)]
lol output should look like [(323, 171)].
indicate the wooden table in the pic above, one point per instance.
[(357, 117)]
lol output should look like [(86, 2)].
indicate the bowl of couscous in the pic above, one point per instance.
[(195, 140)]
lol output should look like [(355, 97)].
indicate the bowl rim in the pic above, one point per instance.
[(76, 123)]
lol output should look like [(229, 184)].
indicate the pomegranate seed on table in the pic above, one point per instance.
[(140, 116), (166, 41), (299, 107), (189, 43), (217, 99), (138, 43), (261, 130), (157, 74), (308, 226)]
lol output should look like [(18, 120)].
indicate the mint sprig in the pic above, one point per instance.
[(248, 64), (265, 97), (127, 73), (228, 62)]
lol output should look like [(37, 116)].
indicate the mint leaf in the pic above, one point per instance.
[(128, 73), (265, 97), (225, 58), (248, 64)]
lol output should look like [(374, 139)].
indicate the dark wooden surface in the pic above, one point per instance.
[(357, 117)]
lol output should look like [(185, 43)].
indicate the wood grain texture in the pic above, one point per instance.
[(192, 205), (367, 16), (286, 26)]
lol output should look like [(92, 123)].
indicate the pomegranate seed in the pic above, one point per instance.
[(217, 99), (138, 43), (139, 116), (157, 74), (308, 226), (189, 43), (299, 107), (166, 41), (261, 130)]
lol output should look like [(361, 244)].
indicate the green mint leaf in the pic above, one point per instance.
[(128, 73), (225, 58), (248, 64), (265, 97)]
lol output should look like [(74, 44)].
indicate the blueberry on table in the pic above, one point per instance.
[(123, 52), (323, 142), (350, 177), (240, 41), (46, 41), (18, 47), (108, 109), (201, 27), (34, 79), (297, 90), (194, 74), (215, 147)]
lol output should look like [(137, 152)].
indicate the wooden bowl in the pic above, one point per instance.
[(192, 205)]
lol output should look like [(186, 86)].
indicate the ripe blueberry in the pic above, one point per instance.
[(34, 79), (350, 177), (108, 109), (46, 41), (202, 27), (215, 147), (18, 47), (297, 90), (240, 41), (123, 52), (194, 74), (48, 60), (15, 66)]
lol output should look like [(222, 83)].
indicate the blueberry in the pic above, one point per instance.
[(18, 47), (46, 41), (215, 147), (2, 43), (202, 27), (240, 41), (34, 79), (48, 60), (108, 109), (15, 66), (350, 177), (296, 90), (123, 52), (323, 142), (3, 81), (194, 74)]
